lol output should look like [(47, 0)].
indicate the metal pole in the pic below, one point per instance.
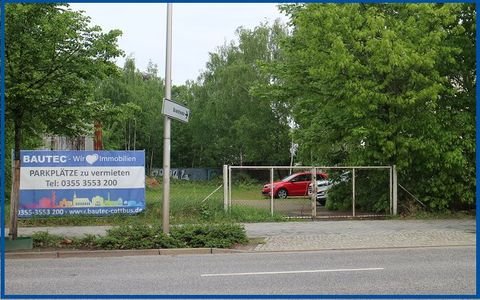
[(166, 125), (353, 191), (225, 188), (271, 192), (313, 196), (395, 190), (391, 190), (230, 188)]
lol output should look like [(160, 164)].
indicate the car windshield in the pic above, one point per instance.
[(289, 177)]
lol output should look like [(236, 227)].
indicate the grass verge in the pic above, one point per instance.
[(149, 237)]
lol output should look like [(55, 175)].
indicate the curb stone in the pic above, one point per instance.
[(116, 253), (184, 251)]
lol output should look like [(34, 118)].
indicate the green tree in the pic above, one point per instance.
[(53, 60), (182, 153), (384, 84), (138, 122), (229, 123)]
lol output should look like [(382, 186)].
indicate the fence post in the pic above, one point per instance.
[(230, 188), (313, 196), (391, 190), (395, 190), (353, 192), (225, 188), (271, 192)]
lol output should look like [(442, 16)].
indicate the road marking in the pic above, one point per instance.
[(292, 272)]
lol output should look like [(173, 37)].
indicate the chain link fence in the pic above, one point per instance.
[(318, 192)]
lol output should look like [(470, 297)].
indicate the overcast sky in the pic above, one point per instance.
[(197, 29)]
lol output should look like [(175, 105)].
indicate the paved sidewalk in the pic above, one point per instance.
[(355, 234), (319, 235)]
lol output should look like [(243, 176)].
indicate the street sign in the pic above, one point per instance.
[(175, 110)]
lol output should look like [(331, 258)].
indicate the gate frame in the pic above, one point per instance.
[(393, 188)]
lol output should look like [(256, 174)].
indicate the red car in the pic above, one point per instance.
[(292, 185)]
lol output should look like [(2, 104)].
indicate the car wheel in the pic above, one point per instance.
[(282, 194)]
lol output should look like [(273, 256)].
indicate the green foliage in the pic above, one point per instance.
[(229, 123), (385, 84), (206, 212), (251, 214), (244, 179), (340, 197), (43, 239), (54, 58), (135, 122), (372, 191), (140, 236), (210, 235), (88, 241), (136, 237)]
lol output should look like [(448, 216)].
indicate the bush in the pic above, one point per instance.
[(141, 236), (340, 197), (210, 235), (46, 240), (244, 179), (88, 241), (371, 192), (136, 237)]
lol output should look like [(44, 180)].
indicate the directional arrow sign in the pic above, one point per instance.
[(175, 110)]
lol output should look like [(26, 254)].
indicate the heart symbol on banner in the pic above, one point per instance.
[(91, 159)]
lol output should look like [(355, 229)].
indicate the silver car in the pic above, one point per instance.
[(324, 185), (322, 190)]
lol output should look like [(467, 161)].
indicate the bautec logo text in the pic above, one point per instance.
[(44, 159)]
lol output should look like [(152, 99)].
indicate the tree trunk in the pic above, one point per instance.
[(128, 148), (14, 201), (14, 197), (134, 134), (98, 138)]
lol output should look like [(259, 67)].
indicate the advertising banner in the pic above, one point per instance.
[(65, 183)]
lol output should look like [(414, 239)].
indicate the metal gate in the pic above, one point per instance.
[(313, 191)]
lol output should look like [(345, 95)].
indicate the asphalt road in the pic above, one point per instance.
[(429, 270)]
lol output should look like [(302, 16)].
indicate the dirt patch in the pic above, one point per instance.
[(151, 182)]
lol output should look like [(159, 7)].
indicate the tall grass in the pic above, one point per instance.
[(188, 205)]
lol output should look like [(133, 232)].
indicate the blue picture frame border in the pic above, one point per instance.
[(3, 294)]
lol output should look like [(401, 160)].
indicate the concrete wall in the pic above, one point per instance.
[(189, 173)]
